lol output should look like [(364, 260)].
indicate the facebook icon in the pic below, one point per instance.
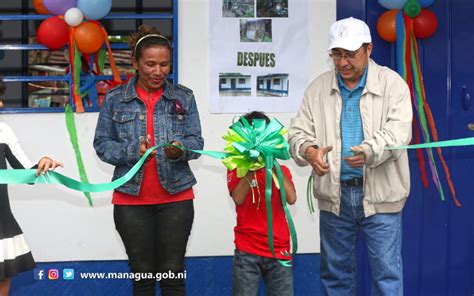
[(39, 274)]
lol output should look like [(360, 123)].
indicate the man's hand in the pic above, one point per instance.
[(45, 164), (173, 152), (317, 158), (145, 145), (358, 160)]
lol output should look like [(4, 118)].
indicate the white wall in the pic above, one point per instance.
[(59, 224)]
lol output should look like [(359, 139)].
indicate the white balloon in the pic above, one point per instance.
[(73, 17)]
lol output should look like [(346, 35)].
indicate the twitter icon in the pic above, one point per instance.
[(68, 274)]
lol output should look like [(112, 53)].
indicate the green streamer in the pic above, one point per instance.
[(77, 70), (71, 128), (289, 219), (101, 60), (309, 194)]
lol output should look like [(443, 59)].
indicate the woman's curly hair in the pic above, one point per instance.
[(137, 41)]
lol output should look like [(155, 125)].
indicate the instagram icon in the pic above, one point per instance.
[(53, 274)]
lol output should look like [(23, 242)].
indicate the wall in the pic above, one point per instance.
[(59, 224)]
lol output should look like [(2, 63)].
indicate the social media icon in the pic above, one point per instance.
[(53, 274), (39, 274), (68, 273)]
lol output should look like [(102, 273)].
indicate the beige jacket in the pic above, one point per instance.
[(386, 113)]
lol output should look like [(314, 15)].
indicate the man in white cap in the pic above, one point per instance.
[(347, 119)]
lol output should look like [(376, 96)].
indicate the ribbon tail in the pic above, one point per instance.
[(268, 201), (71, 127), (289, 219)]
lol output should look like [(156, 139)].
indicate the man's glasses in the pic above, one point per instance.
[(349, 55)]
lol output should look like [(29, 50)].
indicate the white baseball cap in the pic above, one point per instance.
[(349, 34)]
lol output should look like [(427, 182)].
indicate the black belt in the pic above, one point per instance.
[(354, 182)]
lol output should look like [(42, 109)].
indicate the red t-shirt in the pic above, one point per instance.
[(251, 231), (151, 191)]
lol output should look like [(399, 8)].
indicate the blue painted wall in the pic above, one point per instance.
[(438, 237)]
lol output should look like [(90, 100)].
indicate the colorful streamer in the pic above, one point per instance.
[(409, 68)]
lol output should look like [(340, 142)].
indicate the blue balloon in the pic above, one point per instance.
[(391, 4), (425, 3), (94, 9)]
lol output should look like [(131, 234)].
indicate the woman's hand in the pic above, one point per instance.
[(173, 152), (145, 145), (46, 163)]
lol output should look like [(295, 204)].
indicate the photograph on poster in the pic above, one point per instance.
[(234, 84), (238, 8), (273, 85), (272, 8), (256, 30)]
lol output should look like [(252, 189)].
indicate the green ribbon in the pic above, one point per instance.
[(448, 143), (249, 147), (51, 177)]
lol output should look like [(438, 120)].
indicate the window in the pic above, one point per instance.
[(241, 80), (223, 81), (38, 80), (276, 81)]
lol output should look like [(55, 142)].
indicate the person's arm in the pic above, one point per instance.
[(18, 159), (396, 130), (241, 190), (109, 147), (289, 190), (14, 154)]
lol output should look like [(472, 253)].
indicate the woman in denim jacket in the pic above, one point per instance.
[(153, 212)]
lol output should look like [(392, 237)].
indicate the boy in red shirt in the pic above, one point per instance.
[(252, 258)]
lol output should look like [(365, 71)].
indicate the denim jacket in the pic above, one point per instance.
[(122, 120)]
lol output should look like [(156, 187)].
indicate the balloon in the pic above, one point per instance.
[(73, 17), (393, 4), (425, 3), (39, 7), (53, 33), (387, 25), (89, 37), (59, 7), (95, 9), (412, 8), (425, 24)]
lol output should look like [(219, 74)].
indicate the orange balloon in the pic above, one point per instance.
[(387, 25), (89, 37), (39, 7)]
